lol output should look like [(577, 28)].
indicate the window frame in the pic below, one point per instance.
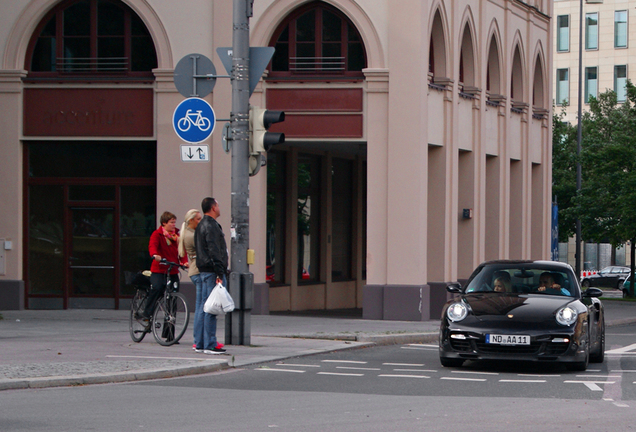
[(289, 25), (587, 84), (587, 31), (559, 99), (559, 28), (95, 72), (616, 84), (616, 26)]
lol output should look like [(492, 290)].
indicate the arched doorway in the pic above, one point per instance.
[(89, 154)]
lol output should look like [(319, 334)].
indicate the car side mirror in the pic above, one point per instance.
[(592, 292), (455, 288)]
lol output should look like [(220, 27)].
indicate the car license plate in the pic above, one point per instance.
[(508, 339)]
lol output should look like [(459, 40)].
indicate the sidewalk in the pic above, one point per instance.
[(77, 347)]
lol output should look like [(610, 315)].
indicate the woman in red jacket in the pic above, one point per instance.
[(164, 243)]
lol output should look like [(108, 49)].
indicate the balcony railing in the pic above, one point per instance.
[(91, 64), (317, 64)]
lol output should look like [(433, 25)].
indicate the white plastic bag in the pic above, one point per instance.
[(219, 302)]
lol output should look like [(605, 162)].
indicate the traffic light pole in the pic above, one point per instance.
[(238, 323)]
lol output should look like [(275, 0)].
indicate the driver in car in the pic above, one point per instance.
[(547, 284)]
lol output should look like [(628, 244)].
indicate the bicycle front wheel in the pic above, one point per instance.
[(170, 320), (138, 328)]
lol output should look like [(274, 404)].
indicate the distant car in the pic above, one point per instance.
[(609, 277), (626, 286), (524, 321)]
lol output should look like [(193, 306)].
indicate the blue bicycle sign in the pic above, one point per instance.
[(193, 120)]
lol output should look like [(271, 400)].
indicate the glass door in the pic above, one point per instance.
[(92, 252)]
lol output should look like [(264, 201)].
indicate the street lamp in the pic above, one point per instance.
[(579, 135)]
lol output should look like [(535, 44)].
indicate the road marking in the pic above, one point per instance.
[(415, 370), (280, 370), (623, 350), (344, 361), (592, 385), (425, 345), (402, 364), (623, 371), (161, 358), (476, 373), (299, 365), (621, 405), (419, 348), (357, 368), (463, 379), (598, 376), (340, 374), (521, 381), (403, 376), (538, 375)]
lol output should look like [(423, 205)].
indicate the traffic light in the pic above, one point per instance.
[(261, 140)]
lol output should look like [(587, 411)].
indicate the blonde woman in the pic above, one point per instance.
[(186, 248)]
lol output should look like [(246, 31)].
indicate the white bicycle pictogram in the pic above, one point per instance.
[(194, 118)]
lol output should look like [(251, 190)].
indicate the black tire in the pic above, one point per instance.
[(138, 327), (170, 319), (599, 356), (585, 284), (448, 362), (619, 285)]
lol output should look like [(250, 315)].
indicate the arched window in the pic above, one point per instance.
[(467, 59), (516, 78), (317, 39), (493, 77), (537, 88), (84, 38), (437, 50)]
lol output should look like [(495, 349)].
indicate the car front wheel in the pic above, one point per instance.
[(585, 284)]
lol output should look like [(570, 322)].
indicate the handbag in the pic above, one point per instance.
[(219, 301)]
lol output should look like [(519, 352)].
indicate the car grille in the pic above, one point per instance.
[(537, 347), (533, 348), (556, 348), (461, 345)]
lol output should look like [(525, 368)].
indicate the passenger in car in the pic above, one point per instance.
[(502, 282)]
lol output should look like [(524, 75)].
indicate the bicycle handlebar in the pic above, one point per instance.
[(172, 264)]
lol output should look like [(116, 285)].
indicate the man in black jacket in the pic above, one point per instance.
[(212, 259)]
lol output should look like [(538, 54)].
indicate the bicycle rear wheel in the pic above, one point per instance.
[(170, 320), (138, 328)]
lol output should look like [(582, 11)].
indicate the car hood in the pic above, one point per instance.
[(518, 307)]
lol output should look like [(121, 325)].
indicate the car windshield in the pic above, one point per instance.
[(522, 279)]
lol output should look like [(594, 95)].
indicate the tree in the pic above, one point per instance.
[(606, 203), (564, 173)]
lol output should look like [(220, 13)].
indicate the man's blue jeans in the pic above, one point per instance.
[(198, 311), (208, 282)]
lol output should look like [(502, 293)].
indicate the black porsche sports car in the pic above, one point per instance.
[(523, 310)]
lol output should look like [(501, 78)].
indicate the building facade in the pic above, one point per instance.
[(418, 145), (608, 60), (609, 50)]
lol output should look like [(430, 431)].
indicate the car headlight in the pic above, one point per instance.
[(456, 312), (566, 316)]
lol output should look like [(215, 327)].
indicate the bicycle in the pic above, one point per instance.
[(171, 315), (194, 118)]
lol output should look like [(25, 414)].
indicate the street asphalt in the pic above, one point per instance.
[(52, 348)]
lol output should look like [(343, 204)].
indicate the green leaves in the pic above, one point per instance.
[(606, 203)]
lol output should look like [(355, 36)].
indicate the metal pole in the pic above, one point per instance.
[(237, 331), (579, 135)]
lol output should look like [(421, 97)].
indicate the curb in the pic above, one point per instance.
[(117, 377)]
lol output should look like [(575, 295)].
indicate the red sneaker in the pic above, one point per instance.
[(219, 345)]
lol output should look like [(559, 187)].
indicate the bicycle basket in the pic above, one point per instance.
[(139, 279)]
